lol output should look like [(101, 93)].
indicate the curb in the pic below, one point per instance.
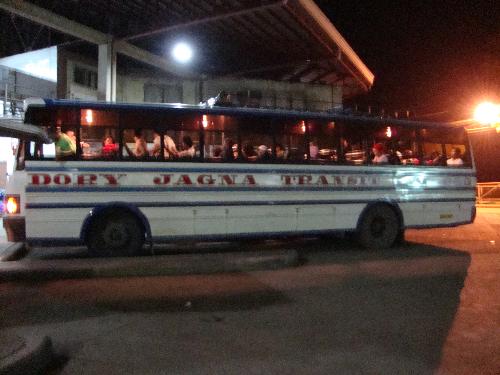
[(12, 251), (157, 265), (29, 355)]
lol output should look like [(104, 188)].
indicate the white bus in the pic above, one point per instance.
[(120, 176)]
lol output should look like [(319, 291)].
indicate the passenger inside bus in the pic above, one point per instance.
[(455, 159), (435, 158), (189, 150), (65, 148), (227, 151), (248, 153), (263, 155), (109, 147), (279, 152), (313, 150), (169, 151), (380, 156), (72, 136), (141, 149)]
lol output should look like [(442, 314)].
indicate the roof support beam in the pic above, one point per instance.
[(200, 21), (44, 17)]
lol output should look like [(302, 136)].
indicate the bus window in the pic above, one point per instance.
[(256, 138), (323, 142), (98, 134), (137, 143), (181, 137), (399, 144), (221, 138), (445, 146), (290, 136), (356, 140)]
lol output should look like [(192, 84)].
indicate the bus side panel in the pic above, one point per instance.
[(59, 223)]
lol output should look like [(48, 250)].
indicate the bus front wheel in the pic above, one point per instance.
[(379, 228), (116, 234)]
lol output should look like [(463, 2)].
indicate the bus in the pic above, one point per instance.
[(120, 177)]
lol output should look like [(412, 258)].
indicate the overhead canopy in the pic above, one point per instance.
[(287, 40), (16, 128)]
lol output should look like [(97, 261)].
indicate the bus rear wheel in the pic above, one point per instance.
[(379, 228), (116, 234)]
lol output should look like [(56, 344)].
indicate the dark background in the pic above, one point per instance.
[(437, 59)]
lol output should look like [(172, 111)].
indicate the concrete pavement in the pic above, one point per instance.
[(429, 307)]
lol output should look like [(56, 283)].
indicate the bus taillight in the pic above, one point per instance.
[(13, 204)]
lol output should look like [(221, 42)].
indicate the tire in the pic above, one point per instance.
[(116, 234), (379, 228)]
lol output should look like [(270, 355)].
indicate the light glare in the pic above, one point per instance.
[(182, 52), (487, 113), (11, 205)]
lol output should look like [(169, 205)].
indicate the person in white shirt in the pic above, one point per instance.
[(455, 159), (379, 155)]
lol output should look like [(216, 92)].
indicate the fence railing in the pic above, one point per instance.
[(488, 192)]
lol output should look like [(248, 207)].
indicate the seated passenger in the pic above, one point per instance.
[(455, 159), (141, 148), (435, 158), (249, 153), (379, 155), (189, 150), (313, 150), (263, 154), (228, 152), (65, 148), (169, 151), (279, 152), (72, 136), (109, 147)]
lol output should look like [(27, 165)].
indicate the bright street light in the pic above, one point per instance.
[(182, 52), (487, 113)]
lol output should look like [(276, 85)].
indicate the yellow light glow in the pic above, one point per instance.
[(12, 205), (487, 113), (388, 132), (303, 126), (89, 116), (205, 121)]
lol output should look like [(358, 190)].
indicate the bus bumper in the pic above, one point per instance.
[(15, 227)]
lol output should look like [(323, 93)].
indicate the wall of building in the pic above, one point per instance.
[(142, 86)]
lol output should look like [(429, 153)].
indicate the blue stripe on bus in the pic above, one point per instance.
[(76, 189), (202, 170), (238, 203)]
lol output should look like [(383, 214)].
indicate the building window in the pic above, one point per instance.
[(85, 77)]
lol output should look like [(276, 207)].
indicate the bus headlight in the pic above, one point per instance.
[(13, 204)]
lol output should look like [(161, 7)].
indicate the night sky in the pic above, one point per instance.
[(436, 58)]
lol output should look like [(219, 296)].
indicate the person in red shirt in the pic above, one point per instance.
[(109, 147)]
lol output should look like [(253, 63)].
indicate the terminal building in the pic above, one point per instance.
[(265, 53)]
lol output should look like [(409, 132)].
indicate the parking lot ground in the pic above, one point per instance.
[(430, 306)]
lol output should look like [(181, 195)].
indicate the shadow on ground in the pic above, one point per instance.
[(336, 313)]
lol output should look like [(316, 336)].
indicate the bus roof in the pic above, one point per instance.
[(223, 110)]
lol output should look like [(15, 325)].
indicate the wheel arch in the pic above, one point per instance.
[(102, 209)]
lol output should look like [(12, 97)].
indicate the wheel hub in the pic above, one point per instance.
[(115, 235)]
